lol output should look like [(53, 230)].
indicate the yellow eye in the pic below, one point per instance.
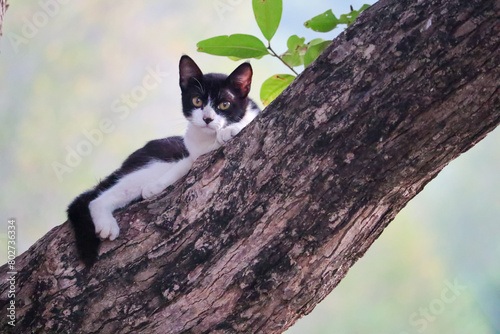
[(224, 105), (197, 101)]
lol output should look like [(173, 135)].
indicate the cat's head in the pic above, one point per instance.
[(213, 101)]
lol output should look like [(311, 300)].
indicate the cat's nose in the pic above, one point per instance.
[(207, 120)]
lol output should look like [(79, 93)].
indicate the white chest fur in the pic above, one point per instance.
[(199, 141)]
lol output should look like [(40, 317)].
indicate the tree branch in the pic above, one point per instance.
[(263, 229), (274, 54)]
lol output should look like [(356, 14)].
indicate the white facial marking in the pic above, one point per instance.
[(200, 114)]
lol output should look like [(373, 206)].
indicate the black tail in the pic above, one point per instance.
[(79, 215), (87, 242)]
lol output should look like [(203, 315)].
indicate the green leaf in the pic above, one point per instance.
[(292, 59), (294, 56), (238, 45), (365, 6), (313, 51), (268, 16), (316, 41), (328, 21), (324, 22), (294, 42), (346, 18), (349, 18), (273, 87)]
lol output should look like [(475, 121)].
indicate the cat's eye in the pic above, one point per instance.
[(224, 105), (197, 101)]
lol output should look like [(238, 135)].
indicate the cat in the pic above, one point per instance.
[(217, 108)]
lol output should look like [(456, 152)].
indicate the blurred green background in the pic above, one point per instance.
[(102, 78)]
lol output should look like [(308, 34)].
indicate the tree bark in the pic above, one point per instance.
[(263, 229)]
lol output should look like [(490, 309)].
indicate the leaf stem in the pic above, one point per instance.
[(274, 54)]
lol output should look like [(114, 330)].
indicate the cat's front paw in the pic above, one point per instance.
[(151, 190), (225, 134), (106, 228)]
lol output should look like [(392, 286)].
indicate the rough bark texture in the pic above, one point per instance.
[(263, 229)]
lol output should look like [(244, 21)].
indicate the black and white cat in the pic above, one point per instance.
[(216, 106)]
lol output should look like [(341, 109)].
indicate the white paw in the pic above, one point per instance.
[(107, 228), (225, 134), (152, 189)]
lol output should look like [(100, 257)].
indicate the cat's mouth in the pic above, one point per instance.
[(208, 128), (212, 126)]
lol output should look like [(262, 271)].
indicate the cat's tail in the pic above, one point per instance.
[(87, 241)]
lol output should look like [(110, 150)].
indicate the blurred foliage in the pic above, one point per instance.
[(59, 85)]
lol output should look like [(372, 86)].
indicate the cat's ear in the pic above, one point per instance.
[(241, 79), (187, 70)]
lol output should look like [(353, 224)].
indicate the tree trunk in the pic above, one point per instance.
[(263, 229)]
